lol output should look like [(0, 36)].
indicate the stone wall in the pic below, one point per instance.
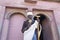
[(40, 5)]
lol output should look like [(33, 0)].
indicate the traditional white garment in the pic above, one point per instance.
[(40, 30), (28, 35)]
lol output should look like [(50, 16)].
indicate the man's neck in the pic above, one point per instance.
[(30, 20)]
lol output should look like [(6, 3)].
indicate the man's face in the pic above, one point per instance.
[(30, 16), (38, 18)]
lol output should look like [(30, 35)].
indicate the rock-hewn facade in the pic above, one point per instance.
[(10, 7)]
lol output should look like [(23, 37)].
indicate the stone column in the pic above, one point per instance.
[(2, 11), (5, 30)]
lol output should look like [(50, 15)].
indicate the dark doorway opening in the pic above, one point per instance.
[(46, 33)]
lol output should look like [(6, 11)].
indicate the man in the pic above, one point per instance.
[(40, 28), (29, 27), (28, 22), (37, 34)]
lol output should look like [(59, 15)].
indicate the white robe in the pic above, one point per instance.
[(28, 35)]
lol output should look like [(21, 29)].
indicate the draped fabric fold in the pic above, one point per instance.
[(37, 33), (28, 34)]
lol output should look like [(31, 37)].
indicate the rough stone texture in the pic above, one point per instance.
[(39, 5), (2, 10)]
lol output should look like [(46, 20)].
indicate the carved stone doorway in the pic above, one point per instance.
[(49, 29), (46, 33)]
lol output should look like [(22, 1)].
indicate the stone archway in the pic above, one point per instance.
[(15, 25), (46, 28), (51, 23)]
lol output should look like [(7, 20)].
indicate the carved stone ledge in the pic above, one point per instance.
[(31, 1)]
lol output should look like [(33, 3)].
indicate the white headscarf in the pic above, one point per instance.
[(29, 13)]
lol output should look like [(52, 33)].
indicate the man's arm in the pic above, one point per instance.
[(25, 26)]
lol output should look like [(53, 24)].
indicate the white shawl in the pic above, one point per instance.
[(28, 35)]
